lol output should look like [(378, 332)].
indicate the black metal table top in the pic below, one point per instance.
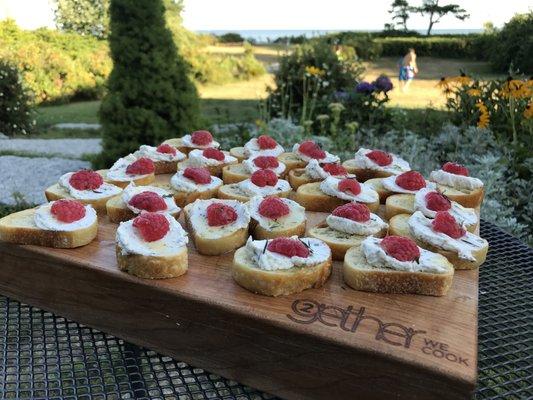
[(47, 356)]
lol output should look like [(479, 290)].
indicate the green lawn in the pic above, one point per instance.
[(85, 111)]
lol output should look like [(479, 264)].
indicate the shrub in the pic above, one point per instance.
[(230, 37), (150, 95), (445, 47), (16, 114)]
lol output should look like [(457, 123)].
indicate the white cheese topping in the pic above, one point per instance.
[(251, 148), (118, 171), (154, 155), (463, 215), (396, 167), (132, 190), (315, 170), (250, 167), (198, 218), (455, 181), (44, 219), (251, 189), (376, 256), (295, 217), (187, 142), (131, 242), (330, 186), (104, 190), (390, 184), (182, 184), (374, 225), (421, 228), (329, 158), (197, 159), (267, 260)]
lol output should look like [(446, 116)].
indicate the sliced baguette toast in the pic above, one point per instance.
[(215, 170), (20, 228), (238, 153), (177, 143), (280, 282), (234, 173), (118, 211), (363, 174), (403, 203), (360, 275), (375, 183), (184, 198), (145, 180), (165, 167), (234, 192), (57, 192), (398, 225), (466, 198), (291, 161), (153, 267), (298, 177)]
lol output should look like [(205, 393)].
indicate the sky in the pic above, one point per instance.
[(291, 14)]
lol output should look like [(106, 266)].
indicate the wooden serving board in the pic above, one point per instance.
[(327, 343)]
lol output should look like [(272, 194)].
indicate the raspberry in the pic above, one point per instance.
[(151, 226), (166, 149), (436, 201), (265, 142), (411, 180), (264, 177), (350, 185), (381, 158), (148, 201), (201, 138), (142, 166), (311, 149), (445, 223), (354, 211), (335, 169), (219, 214), (214, 154), (273, 207), (199, 175), (288, 247), (266, 162), (454, 168), (401, 248), (68, 210), (86, 180)]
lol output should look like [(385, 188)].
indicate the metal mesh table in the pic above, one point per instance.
[(47, 356)]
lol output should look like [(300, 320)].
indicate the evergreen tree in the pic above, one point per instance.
[(150, 95)]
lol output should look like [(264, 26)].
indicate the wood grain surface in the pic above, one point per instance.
[(327, 343)]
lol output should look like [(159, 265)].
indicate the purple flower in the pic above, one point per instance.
[(365, 87), (340, 95), (383, 84)]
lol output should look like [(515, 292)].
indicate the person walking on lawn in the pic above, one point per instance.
[(408, 69)]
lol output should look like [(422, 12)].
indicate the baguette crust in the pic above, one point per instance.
[(238, 153), (280, 282), (177, 143), (375, 183), (360, 275), (145, 180), (234, 173), (215, 170), (151, 267), (260, 233), (57, 192), (117, 211), (214, 247), (363, 174), (298, 177), (291, 161), (19, 228), (165, 167), (398, 225), (312, 198), (233, 192), (466, 198), (339, 242)]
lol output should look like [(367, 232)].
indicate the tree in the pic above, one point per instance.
[(150, 96), (86, 17), (436, 12), (400, 10)]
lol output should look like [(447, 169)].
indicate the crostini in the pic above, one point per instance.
[(263, 182), (273, 217), (130, 169), (239, 172), (263, 145), (164, 156), (192, 183), (196, 140), (455, 182), (303, 152), (368, 164), (315, 171), (212, 159)]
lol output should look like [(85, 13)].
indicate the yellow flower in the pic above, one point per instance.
[(444, 83), (528, 112), (474, 92), (314, 71), (484, 116), (517, 89), (462, 79)]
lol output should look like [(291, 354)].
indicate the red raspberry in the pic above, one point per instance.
[(199, 175), (264, 177), (266, 162), (273, 207), (201, 138), (350, 185), (411, 180), (214, 154), (288, 247), (142, 166), (436, 201), (86, 180), (381, 158), (166, 149), (311, 149), (354, 211), (401, 248), (456, 169), (265, 142), (219, 214), (148, 201), (151, 226), (335, 169), (68, 210), (445, 223)]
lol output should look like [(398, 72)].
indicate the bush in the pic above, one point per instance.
[(16, 114), (445, 47), (230, 37), (150, 95)]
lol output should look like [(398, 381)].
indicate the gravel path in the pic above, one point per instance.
[(31, 176), (72, 148)]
